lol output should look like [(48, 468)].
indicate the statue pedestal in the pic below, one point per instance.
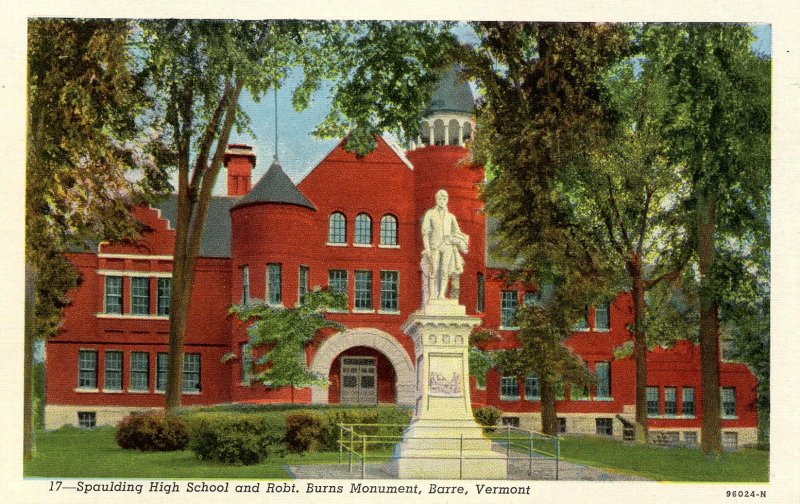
[(443, 440)]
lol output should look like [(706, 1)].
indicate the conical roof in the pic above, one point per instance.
[(274, 187), (452, 95)]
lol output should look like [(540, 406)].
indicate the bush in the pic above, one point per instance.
[(329, 434), (303, 432), (240, 439), (488, 416), (150, 432)]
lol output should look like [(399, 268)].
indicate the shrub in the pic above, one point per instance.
[(303, 432), (329, 434), (150, 432), (240, 439), (488, 416)]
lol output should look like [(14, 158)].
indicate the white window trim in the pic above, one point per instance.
[(130, 297), (329, 244), (130, 316), (86, 390), (508, 397), (103, 255), (134, 273), (363, 310), (363, 245), (389, 312), (380, 245), (512, 328)]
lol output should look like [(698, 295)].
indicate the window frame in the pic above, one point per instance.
[(604, 378), (245, 284), (607, 428), (509, 383), (362, 295), (117, 372), (389, 231), (137, 371), (83, 368), (274, 284), (161, 371), (684, 402), (336, 228), (190, 372), (653, 413), (359, 230), (107, 294), (670, 401), (136, 308), (335, 277), (87, 417), (480, 304), (303, 275), (246, 352), (724, 411), (532, 378), (606, 308), (390, 291), (508, 313), (163, 292)]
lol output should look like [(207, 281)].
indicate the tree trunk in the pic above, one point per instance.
[(30, 338), (639, 348), (549, 418), (711, 435)]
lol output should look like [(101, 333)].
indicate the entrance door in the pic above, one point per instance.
[(359, 381)]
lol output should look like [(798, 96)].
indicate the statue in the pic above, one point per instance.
[(443, 244)]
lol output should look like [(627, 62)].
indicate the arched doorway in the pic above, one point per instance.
[(369, 345)]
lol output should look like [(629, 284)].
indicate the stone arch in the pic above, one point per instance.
[(405, 386)]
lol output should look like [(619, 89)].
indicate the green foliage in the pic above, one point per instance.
[(393, 422), (488, 416), (239, 439), (480, 363), (303, 432), (149, 432), (283, 334)]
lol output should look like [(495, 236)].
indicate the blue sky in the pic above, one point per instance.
[(298, 150)]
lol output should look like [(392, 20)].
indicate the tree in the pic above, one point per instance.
[(718, 128), (541, 111), (381, 75), (88, 161), (283, 334), (630, 198)]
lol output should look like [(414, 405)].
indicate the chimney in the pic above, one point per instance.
[(240, 161)]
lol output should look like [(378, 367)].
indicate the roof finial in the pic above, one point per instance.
[(275, 157)]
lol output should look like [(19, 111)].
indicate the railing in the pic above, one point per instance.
[(362, 442)]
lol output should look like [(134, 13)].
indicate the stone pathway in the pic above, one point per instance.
[(543, 469)]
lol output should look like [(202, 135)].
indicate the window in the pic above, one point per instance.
[(87, 369), (730, 441), (579, 392), (113, 294), (247, 364), (581, 324), (140, 371), (562, 425), (509, 388), (337, 228), (670, 438), (113, 379), (337, 281), (511, 421), (532, 388), (602, 317), (363, 290), (191, 372), (274, 283), (603, 372), (670, 401), (389, 290), (302, 285), (508, 308), (363, 229), (245, 284), (388, 230), (652, 401), (481, 293), (728, 402), (604, 426), (161, 371), (690, 439), (87, 419), (140, 296), (688, 401), (164, 295)]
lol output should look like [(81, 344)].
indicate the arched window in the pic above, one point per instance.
[(466, 132), (388, 230), (438, 132), (425, 133), (363, 229), (337, 228), (453, 132)]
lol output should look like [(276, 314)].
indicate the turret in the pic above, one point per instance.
[(448, 118)]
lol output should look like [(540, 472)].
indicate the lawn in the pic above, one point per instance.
[(100, 457)]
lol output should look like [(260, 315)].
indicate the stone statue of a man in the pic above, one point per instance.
[(442, 240)]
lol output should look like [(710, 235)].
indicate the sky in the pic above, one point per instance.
[(298, 150)]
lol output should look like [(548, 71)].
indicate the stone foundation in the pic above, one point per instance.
[(56, 416)]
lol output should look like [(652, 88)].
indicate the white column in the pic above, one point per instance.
[(460, 139), (446, 133)]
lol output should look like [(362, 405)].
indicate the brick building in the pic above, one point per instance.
[(351, 224)]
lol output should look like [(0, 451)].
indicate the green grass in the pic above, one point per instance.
[(666, 464), (76, 453)]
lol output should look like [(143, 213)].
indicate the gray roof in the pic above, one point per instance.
[(217, 233), (275, 187), (452, 95)]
